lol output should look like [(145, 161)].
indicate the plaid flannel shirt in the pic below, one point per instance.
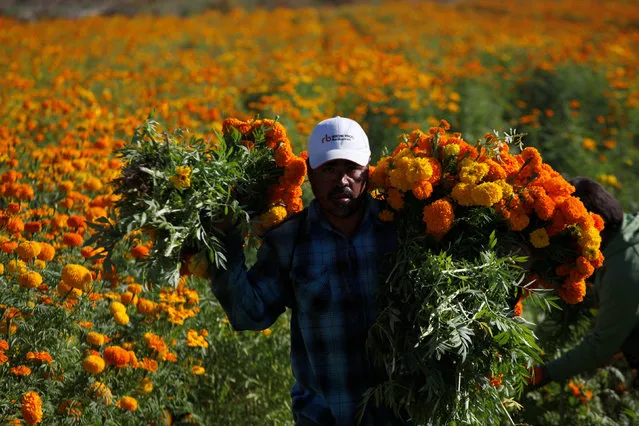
[(329, 283)]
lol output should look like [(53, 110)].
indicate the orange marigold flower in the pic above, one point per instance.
[(584, 267), (72, 239), (386, 215), (572, 292), (495, 381), (117, 356), (140, 251), (149, 364), (32, 227), (43, 356), (76, 222), (31, 408), (127, 403), (15, 225), (573, 209), (395, 199), (518, 309), (21, 370), (146, 306), (9, 247), (438, 217), (13, 208), (47, 252), (598, 221), (518, 221), (294, 172), (557, 224), (283, 155), (423, 190)]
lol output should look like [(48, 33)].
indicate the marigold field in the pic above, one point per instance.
[(83, 345)]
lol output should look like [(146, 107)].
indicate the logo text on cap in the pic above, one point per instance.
[(338, 137)]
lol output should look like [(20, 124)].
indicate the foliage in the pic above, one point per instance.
[(177, 192), (449, 327)]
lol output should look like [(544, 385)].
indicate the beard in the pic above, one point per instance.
[(343, 203)]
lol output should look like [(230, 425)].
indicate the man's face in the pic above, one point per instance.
[(339, 186)]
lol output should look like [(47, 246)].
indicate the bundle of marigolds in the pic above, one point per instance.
[(175, 191), (449, 332)]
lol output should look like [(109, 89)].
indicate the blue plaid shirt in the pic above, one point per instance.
[(329, 282)]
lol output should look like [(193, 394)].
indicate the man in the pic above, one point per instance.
[(322, 264), (616, 287)]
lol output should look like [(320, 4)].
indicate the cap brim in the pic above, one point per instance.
[(360, 157)]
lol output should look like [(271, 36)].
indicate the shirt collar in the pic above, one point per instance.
[(316, 218)]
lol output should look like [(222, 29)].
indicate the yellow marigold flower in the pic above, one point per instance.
[(127, 403), (198, 370), (146, 306), (198, 264), (386, 215), (31, 408), (100, 391), (378, 177), (134, 288), (28, 250), (267, 332), (539, 238), (30, 279), (116, 306), (398, 176), (77, 276), (473, 173), (272, 217), (71, 408), (40, 264), (420, 170), (65, 290), (450, 150), (486, 194), (96, 339), (182, 177), (18, 266), (121, 318), (193, 339), (506, 188), (462, 193), (145, 387), (589, 144), (93, 364), (1, 268), (128, 298), (92, 184)]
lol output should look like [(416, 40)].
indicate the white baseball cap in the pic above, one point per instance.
[(338, 138)]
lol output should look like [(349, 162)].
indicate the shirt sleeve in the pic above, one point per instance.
[(253, 299), (618, 302)]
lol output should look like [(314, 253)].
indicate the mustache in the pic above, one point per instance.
[(341, 192)]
